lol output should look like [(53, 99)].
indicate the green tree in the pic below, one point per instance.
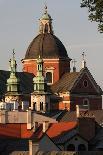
[(95, 9)]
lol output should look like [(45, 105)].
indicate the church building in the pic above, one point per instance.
[(47, 81)]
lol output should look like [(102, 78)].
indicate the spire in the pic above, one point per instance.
[(13, 81), (45, 22), (13, 65), (74, 65), (83, 60), (13, 53)]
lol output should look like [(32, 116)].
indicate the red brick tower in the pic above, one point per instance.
[(55, 58)]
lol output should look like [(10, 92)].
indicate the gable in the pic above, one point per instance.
[(76, 141), (85, 84), (46, 144)]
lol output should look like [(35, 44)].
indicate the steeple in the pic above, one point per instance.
[(13, 81), (40, 98), (83, 60), (45, 23)]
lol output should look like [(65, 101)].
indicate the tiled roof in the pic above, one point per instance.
[(71, 116), (57, 129), (26, 81), (65, 83), (68, 80), (47, 45), (15, 131), (64, 137)]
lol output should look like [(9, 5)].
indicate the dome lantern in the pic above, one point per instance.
[(45, 23)]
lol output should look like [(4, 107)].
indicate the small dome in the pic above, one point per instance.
[(48, 46), (46, 17)]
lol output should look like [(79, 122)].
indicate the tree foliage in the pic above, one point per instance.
[(95, 8)]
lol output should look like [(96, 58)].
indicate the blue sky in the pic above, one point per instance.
[(19, 25)]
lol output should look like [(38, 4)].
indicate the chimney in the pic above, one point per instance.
[(45, 126), (3, 117), (77, 111), (83, 60), (74, 65), (33, 147), (29, 123), (83, 64), (74, 69)]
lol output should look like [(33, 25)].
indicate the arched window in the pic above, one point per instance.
[(49, 77), (41, 105), (71, 147), (46, 27), (81, 147)]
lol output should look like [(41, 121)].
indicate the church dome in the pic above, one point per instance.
[(48, 46)]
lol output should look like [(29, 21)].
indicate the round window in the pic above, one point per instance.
[(85, 83)]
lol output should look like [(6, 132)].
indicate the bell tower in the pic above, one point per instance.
[(40, 98)]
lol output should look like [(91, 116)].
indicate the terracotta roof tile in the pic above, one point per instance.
[(57, 129), (15, 131)]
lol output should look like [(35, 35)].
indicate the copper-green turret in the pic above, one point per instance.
[(39, 80), (13, 81)]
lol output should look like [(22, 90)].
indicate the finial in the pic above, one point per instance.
[(83, 61), (13, 53), (45, 8), (74, 65), (83, 55)]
